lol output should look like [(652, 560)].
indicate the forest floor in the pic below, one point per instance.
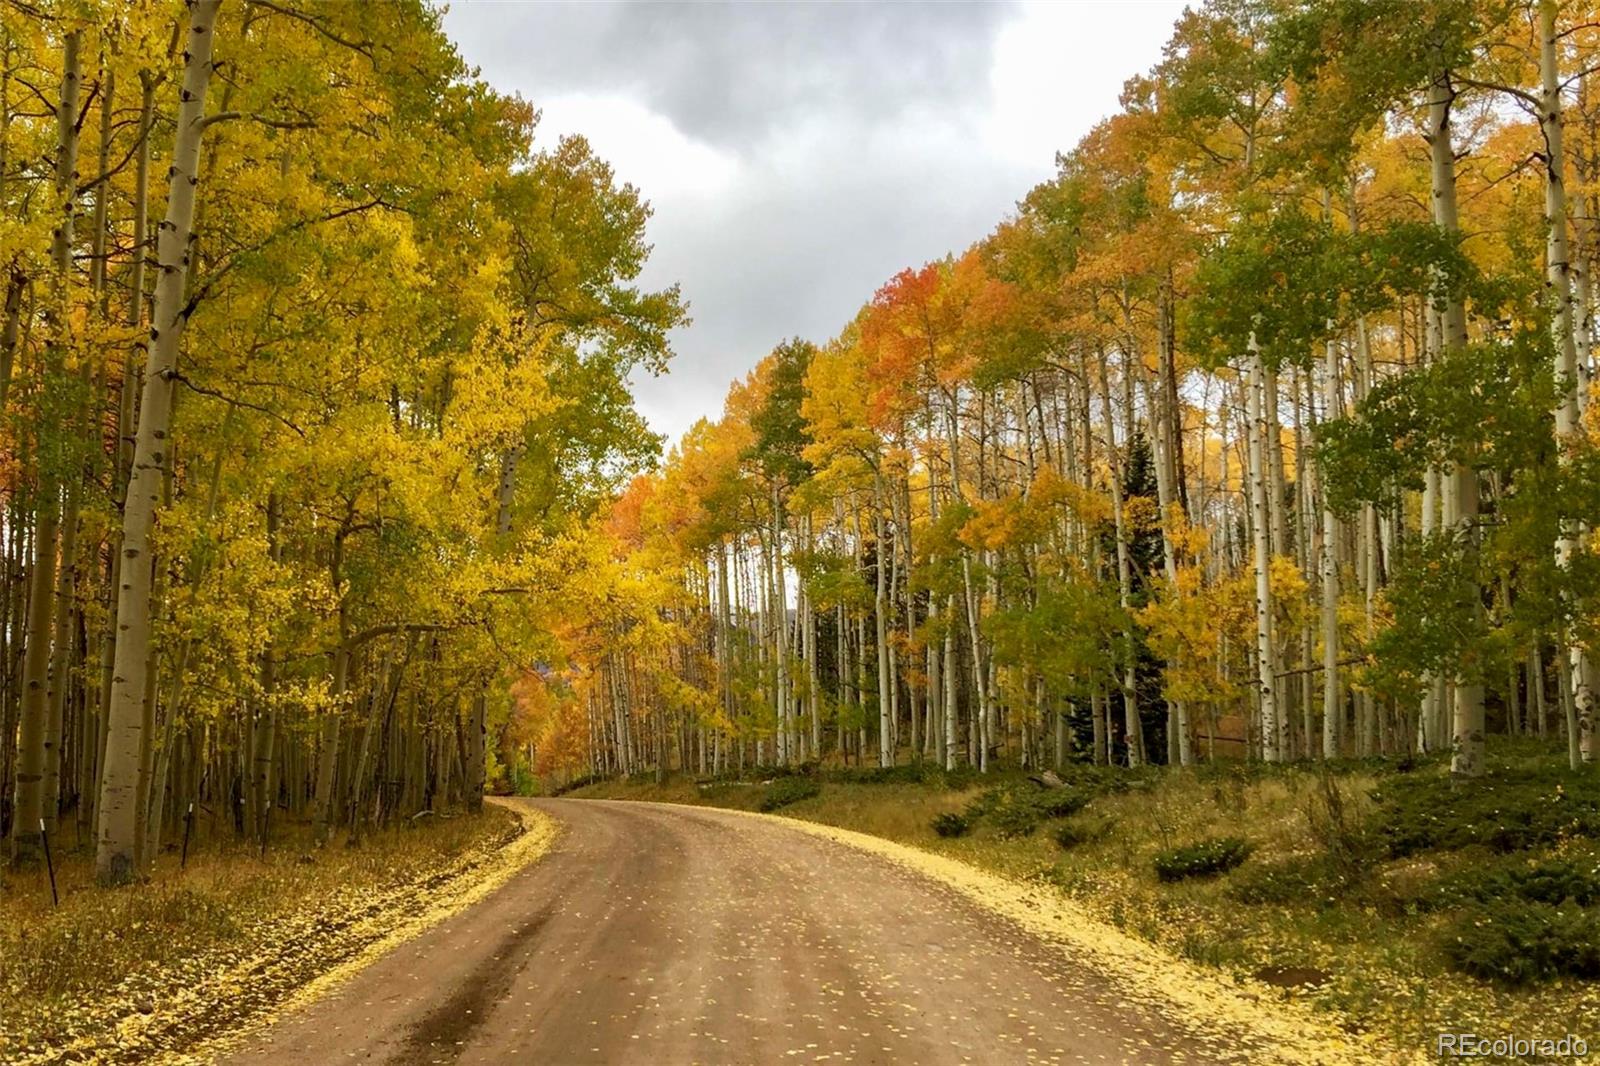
[(1375, 892), (148, 973)]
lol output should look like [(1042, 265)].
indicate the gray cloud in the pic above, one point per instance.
[(864, 136), (727, 73), (796, 254)]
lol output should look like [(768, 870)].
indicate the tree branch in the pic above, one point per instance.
[(374, 632), (176, 376), (273, 123), (204, 289), (361, 47), (1494, 87)]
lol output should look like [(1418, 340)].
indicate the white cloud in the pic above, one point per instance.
[(1058, 68), (642, 147)]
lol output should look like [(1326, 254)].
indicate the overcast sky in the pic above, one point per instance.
[(798, 155)]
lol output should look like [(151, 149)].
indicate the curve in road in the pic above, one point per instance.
[(663, 935)]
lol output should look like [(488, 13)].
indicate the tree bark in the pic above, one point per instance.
[(1558, 282), (1461, 481), (115, 857), (1266, 659), (1132, 725)]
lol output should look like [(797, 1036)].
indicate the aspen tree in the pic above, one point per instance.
[(1558, 280), (1272, 724), (43, 673), (1132, 724), (114, 858), (1332, 708)]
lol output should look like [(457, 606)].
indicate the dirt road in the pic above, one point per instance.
[(666, 935)]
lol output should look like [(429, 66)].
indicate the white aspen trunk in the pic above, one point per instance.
[(1372, 735), (780, 635), (942, 668), (155, 788), (115, 858), (1558, 281), (1276, 505), (952, 734), (356, 787), (1332, 709), (1266, 673), (1460, 483), (979, 686), (842, 670), (1178, 743), (880, 612), (763, 606), (1434, 729), (861, 687), (124, 451), (1224, 493), (506, 491), (1368, 542), (1131, 722), (891, 603), (813, 678), (1582, 271), (724, 632), (1305, 555), (66, 566)]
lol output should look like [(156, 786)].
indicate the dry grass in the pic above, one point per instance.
[(108, 961)]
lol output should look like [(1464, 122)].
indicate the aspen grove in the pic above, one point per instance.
[(1260, 430), (313, 372)]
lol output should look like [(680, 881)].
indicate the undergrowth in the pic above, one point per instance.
[(106, 951)]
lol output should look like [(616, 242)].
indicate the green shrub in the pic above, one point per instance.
[(1016, 810), (787, 790), (951, 824), (1201, 859), (1070, 835), (1060, 802), (1016, 819), (1552, 881), (962, 777), (1294, 880), (1508, 810), (1518, 943), (914, 773)]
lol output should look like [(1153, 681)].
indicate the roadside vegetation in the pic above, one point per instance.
[(110, 975), (1376, 889)]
